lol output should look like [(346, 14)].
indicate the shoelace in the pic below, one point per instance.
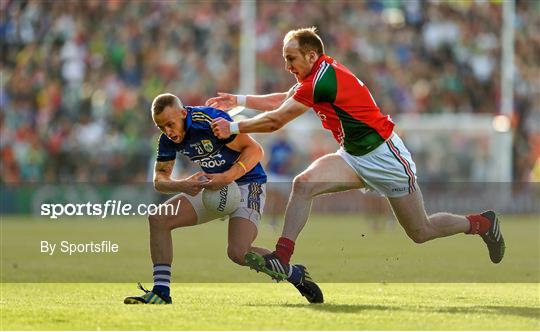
[(140, 286)]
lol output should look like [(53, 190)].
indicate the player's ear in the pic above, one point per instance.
[(312, 57), (183, 112)]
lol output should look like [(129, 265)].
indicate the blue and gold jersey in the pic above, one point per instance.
[(202, 147)]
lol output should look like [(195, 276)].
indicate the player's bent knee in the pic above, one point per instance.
[(303, 177), (159, 222), (154, 221), (303, 185), (236, 254), (418, 236)]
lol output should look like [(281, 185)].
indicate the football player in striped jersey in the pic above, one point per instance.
[(187, 130), (371, 155)]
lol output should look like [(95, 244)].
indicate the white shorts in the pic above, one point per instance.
[(388, 170), (252, 197)]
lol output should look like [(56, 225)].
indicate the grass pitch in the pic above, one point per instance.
[(272, 306), (373, 278)]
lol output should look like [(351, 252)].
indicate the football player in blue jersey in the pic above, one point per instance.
[(188, 130)]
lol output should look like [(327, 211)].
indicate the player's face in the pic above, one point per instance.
[(297, 63), (171, 122)]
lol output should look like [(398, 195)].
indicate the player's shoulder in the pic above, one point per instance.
[(163, 139), (326, 65), (165, 144), (205, 115)]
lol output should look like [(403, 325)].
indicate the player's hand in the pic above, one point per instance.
[(224, 101), (221, 128), (193, 184), (217, 181)]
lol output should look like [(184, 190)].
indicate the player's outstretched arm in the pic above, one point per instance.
[(262, 123), (163, 182), (251, 153), (226, 101)]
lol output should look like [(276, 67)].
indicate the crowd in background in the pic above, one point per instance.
[(78, 77)]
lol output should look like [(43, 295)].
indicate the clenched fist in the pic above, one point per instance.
[(221, 128)]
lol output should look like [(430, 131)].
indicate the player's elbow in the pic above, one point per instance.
[(258, 152), (158, 184), (255, 152)]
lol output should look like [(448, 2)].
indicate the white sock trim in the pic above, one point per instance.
[(162, 268)]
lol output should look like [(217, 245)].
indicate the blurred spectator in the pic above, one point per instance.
[(280, 169), (281, 159), (78, 77)]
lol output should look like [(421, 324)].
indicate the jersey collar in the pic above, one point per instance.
[(315, 67), (187, 122)]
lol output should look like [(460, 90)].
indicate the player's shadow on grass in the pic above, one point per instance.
[(350, 308), (527, 312), (337, 308)]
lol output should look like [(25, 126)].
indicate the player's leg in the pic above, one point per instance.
[(161, 225), (161, 248), (327, 174), (408, 206), (242, 233), (410, 212), (244, 222), (243, 227)]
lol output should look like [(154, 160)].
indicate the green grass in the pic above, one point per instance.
[(272, 306), (373, 278), (345, 248)]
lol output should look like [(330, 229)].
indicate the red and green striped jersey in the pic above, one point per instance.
[(345, 106)]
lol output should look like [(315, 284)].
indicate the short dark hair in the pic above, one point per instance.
[(164, 100), (308, 40)]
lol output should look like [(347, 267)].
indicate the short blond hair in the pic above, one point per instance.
[(308, 40), (164, 100)]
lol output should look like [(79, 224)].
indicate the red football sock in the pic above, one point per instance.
[(479, 224), (284, 249)]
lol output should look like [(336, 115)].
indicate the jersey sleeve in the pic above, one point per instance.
[(304, 93), (166, 150)]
